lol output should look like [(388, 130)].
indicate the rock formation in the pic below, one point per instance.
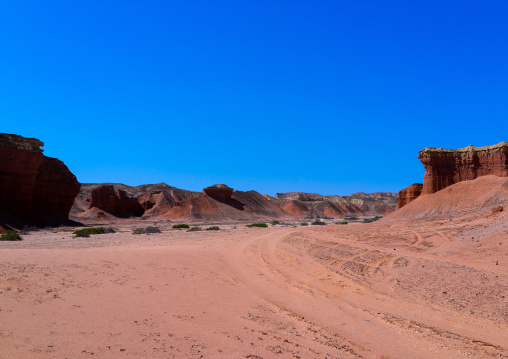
[(116, 202), (409, 194), (219, 191), (445, 167), (301, 204), (34, 189), (248, 205)]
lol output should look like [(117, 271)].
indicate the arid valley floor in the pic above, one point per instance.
[(434, 287)]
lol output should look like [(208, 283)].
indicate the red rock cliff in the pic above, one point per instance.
[(118, 202), (409, 194), (445, 167), (34, 189)]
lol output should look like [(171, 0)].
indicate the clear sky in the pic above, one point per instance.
[(332, 97)]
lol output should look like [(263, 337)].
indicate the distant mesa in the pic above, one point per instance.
[(34, 189), (219, 191), (445, 167)]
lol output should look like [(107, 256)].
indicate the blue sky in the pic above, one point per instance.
[(332, 97)]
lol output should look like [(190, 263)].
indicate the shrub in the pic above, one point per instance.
[(86, 232), (351, 218), (304, 224), (178, 226), (261, 225), (317, 222), (212, 228), (47, 229), (193, 229), (149, 230), (82, 233), (367, 220), (138, 231), (275, 223), (10, 236), (341, 222), (27, 229)]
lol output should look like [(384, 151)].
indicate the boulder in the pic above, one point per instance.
[(219, 191), (34, 189), (409, 194), (444, 167), (116, 202)]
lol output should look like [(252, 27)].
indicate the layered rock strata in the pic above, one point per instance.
[(444, 167), (34, 189), (409, 194)]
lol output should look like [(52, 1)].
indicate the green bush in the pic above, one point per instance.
[(193, 229), (341, 222), (10, 236), (317, 222), (82, 233), (273, 223), (89, 231), (212, 228), (178, 226), (261, 225), (138, 231)]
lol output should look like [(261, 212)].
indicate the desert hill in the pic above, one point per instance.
[(480, 195)]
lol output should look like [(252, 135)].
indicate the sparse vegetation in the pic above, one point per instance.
[(180, 226), (212, 228), (304, 224), (10, 236), (47, 229), (351, 218), (273, 223), (261, 225), (27, 229), (149, 230), (344, 222), (86, 232), (317, 222), (193, 229)]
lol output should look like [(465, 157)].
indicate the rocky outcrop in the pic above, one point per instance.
[(116, 202), (154, 199), (444, 167), (301, 204), (34, 189), (241, 205), (219, 191), (409, 194)]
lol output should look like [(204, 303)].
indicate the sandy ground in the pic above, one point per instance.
[(390, 289)]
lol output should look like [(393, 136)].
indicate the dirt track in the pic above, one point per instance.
[(380, 290)]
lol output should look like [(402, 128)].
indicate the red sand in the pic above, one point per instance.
[(434, 287)]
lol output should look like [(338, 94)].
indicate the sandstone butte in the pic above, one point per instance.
[(34, 189), (444, 167)]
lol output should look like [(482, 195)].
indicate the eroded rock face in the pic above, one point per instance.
[(445, 167), (34, 189), (115, 202), (409, 194), (219, 191)]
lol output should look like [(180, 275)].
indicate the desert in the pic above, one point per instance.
[(428, 280)]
